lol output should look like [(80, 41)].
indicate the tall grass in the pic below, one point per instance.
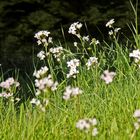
[(113, 104)]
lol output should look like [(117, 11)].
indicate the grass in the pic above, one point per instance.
[(113, 105)]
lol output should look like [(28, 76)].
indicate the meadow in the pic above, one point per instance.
[(90, 90)]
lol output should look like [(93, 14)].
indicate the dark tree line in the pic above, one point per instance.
[(20, 19)]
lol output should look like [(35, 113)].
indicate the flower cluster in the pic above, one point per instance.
[(46, 83), (43, 38), (92, 61), (73, 64), (74, 29), (137, 116), (38, 103), (108, 76), (85, 38), (113, 30), (8, 83), (71, 92), (10, 86), (136, 55), (41, 55), (43, 84), (6, 95), (56, 52), (40, 73), (88, 125), (110, 23)]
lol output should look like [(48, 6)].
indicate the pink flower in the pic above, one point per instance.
[(108, 76)]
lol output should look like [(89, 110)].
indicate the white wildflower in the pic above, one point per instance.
[(70, 92), (38, 92), (46, 83), (56, 52), (41, 55), (83, 125), (88, 125), (85, 38), (50, 40), (73, 64), (41, 72), (8, 83), (43, 37), (38, 42), (75, 44), (108, 76), (17, 99), (94, 131), (116, 30), (136, 55), (109, 23), (93, 121), (79, 25), (6, 95), (74, 28), (137, 113), (91, 61), (111, 32), (35, 101)]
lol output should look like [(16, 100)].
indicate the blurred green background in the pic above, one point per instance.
[(21, 19)]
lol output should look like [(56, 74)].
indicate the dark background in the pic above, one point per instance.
[(21, 19)]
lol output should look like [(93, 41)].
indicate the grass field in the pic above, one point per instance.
[(91, 91)]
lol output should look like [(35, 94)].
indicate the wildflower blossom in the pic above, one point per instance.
[(35, 101), (75, 44), (6, 95), (85, 38), (73, 64), (43, 38), (111, 32), (71, 92), (17, 99), (74, 28), (91, 61), (56, 52), (38, 92), (41, 72), (41, 34), (82, 124), (136, 55), (8, 83), (87, 125), (137, 113), (137, 116), (41, 55), (93, 121), (46, 83), (108, 76), (116, 30), (109, 23), (94, 132)]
